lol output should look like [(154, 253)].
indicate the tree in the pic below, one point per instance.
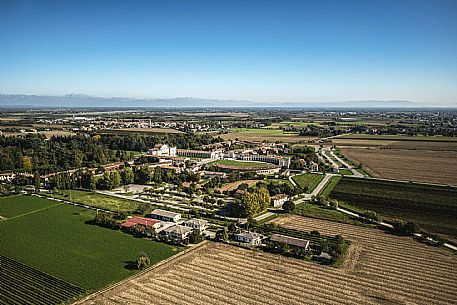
[(27, 163), (115, 179), (222, 234), (288, 206), (143, 261), (37, 182), (371, 216), (127, 175), (195, 237), (144, 208)]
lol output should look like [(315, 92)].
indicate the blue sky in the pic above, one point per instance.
[(297, 51)]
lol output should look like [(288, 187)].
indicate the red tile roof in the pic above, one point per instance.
[(139, 221)]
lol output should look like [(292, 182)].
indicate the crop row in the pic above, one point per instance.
[(22, 284)]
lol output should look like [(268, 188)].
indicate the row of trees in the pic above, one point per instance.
[(33, 152)]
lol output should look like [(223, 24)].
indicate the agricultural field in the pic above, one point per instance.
[(234, 185), (308, 182), (433, 208), (70, 248), (263, 134), (379, 268), (315, 211), (14, 206), (429, 166), (328, 188), (21, 284), (101, 201)]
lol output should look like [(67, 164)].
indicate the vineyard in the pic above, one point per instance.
[(379, 269), (431, 207), (21, 284)]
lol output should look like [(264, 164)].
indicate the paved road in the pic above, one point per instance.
[(263, 216), (350, 167)]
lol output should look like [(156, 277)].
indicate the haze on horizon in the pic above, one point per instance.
[(291, 51)]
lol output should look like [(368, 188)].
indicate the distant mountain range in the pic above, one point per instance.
[(85, 101)]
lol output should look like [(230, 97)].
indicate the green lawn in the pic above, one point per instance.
[(314, 211), (308, 182), (330, 186), (345, 171), (58, 241), (17, 205), (98, 200), (258, 130), (240, 163)]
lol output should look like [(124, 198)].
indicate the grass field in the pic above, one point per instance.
[(314, 211), (14, 206), (308, 182), (98, 200), (328, 188), (378, 269), (345, 171), (264, 134), (433, 208), (60, 242), (415, 165), (21, 284), (240, 163)]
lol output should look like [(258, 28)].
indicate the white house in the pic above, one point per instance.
[(177, 232), (249, 238), (162, 150), (197, 224), (278, 200), (165, 215)]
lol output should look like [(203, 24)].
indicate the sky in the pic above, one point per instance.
[(266, 51)]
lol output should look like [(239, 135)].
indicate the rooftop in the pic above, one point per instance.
[(302, 243), (164, 213), (148, 222)]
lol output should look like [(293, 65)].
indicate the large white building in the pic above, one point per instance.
[(162, 150)]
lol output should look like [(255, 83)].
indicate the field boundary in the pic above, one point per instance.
[(155, 266)]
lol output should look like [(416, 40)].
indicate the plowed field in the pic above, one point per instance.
[(379, 269)]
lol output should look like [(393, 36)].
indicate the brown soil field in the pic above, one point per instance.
[(412, 145), (412, 165), (286, 138), (233, 185), (379, 269)]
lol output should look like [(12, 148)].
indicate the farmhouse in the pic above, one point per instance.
[(291, 241), (177, 232), (197, 224), (162, 150), (147, 222), (249, 238), (278, 200), (165, 215)]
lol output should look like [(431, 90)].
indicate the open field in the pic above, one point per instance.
[(258, 134), (379, 269), (330, 186), (308, 182), (47, 134), (14, 206), (416, 165), (97, 200), (433, 208), (234, 185), (60, 242), (21, 284), (398, 138), (315, 211)]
